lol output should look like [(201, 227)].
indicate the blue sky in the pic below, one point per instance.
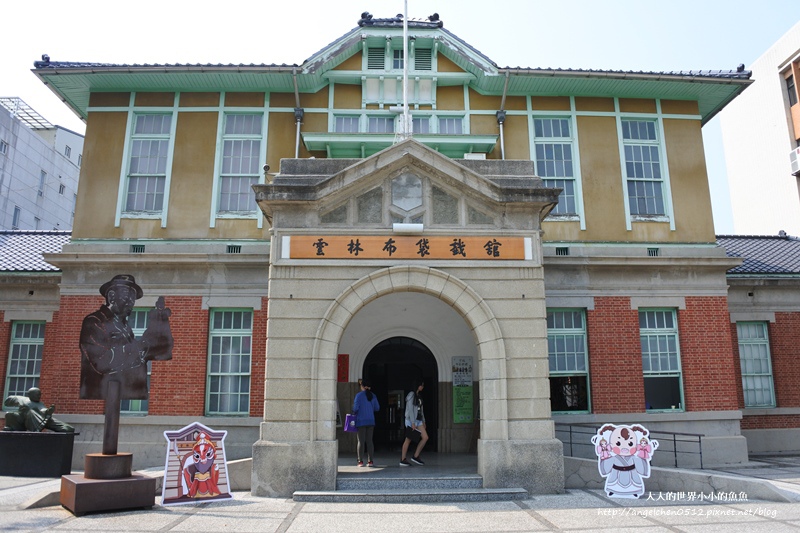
[(611, 34)]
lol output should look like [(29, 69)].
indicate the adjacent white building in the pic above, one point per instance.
[(39, 169), (761, 136)]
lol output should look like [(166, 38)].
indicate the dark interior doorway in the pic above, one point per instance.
[(392, 366)]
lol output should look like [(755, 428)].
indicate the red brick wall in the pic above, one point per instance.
[(615, 356), (177, 387), (737, 365), (784, 341), (770, 422), (784, 338), (5, 344), (707, 362)]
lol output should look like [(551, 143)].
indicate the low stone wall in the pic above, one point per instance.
[(144, 436), (584, 474)]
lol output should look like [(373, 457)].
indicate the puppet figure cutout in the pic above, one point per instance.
[(196, 469), (623, 458)]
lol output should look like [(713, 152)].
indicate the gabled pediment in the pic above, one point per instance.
[(405, 183), (388, 33)]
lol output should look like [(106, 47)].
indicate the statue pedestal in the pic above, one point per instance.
[(107, 485), (32, 454)]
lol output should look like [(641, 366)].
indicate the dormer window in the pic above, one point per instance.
[(397, 59)]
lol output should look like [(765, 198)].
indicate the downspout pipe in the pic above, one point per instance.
[(501, 119), (298, 114)]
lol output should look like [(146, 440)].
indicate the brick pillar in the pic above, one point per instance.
[(615, 356)]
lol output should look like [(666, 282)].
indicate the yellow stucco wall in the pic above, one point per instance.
[(196, 135), (95, 207)]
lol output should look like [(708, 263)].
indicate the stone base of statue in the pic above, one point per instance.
[(107, 485), (36, 454)]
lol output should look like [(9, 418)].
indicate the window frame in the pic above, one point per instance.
[(561, 141), (791, 90), (15, 218), (670, 332), (653, 146), (258, 176), (164, 178), (769, 375), (30, 379), (581, 332), (138, 407), (240, 333)]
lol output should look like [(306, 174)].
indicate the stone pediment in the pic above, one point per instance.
[(406, 183)]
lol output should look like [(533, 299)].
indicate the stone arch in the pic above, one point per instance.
[(402, 278)]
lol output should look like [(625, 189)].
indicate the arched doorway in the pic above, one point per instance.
[(392, 366)]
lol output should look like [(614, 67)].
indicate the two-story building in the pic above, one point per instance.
[(535, 244)]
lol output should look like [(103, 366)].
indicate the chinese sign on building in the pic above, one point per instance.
[(462, 390), (405, 247)]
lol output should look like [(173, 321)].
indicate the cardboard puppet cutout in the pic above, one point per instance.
[(623, 458), (196, 468)]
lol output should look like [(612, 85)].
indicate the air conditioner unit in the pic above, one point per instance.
[(794, 157)]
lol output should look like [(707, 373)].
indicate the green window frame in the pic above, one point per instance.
[(553, 145), (24, 357), (240, 163), (661, 359), (569, 361), (229, 362), (756, 363), (644, 170), (147, 164), (138, 323)]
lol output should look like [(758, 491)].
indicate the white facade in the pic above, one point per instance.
[(39, 170), (758, 135)]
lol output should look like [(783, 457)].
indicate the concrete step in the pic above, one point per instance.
[(425, 488), (411, 495), (370, 483)]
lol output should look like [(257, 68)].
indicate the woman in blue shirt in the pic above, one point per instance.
[(364, 407)]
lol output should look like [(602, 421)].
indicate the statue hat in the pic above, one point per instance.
[(122, 279)]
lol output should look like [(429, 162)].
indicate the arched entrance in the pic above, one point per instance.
[(392, 366)]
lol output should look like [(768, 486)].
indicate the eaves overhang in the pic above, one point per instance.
[(360, 145)]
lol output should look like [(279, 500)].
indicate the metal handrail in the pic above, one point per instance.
[(577, 431)]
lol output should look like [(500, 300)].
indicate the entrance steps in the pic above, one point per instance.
[(385, 489)]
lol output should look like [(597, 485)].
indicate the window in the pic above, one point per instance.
[(25, 357), (80, 159), (643, 167), (229, 362), (42, 179), (397, 59), (423, 59), (147, 172), (345, 125), (754, 355), (241, 154), (138, 323), (553, 146), (421, 124), (61, 188), (15, 218), (569, 368), (381, 124), (67, 151), (451, 126), (658, 332), (3, 147), (791, 90), (375, 58), (36, 222)]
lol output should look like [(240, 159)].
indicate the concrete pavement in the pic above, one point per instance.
[(577, 510)]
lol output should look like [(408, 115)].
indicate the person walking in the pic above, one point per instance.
[(415, 425), (365, 406)]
